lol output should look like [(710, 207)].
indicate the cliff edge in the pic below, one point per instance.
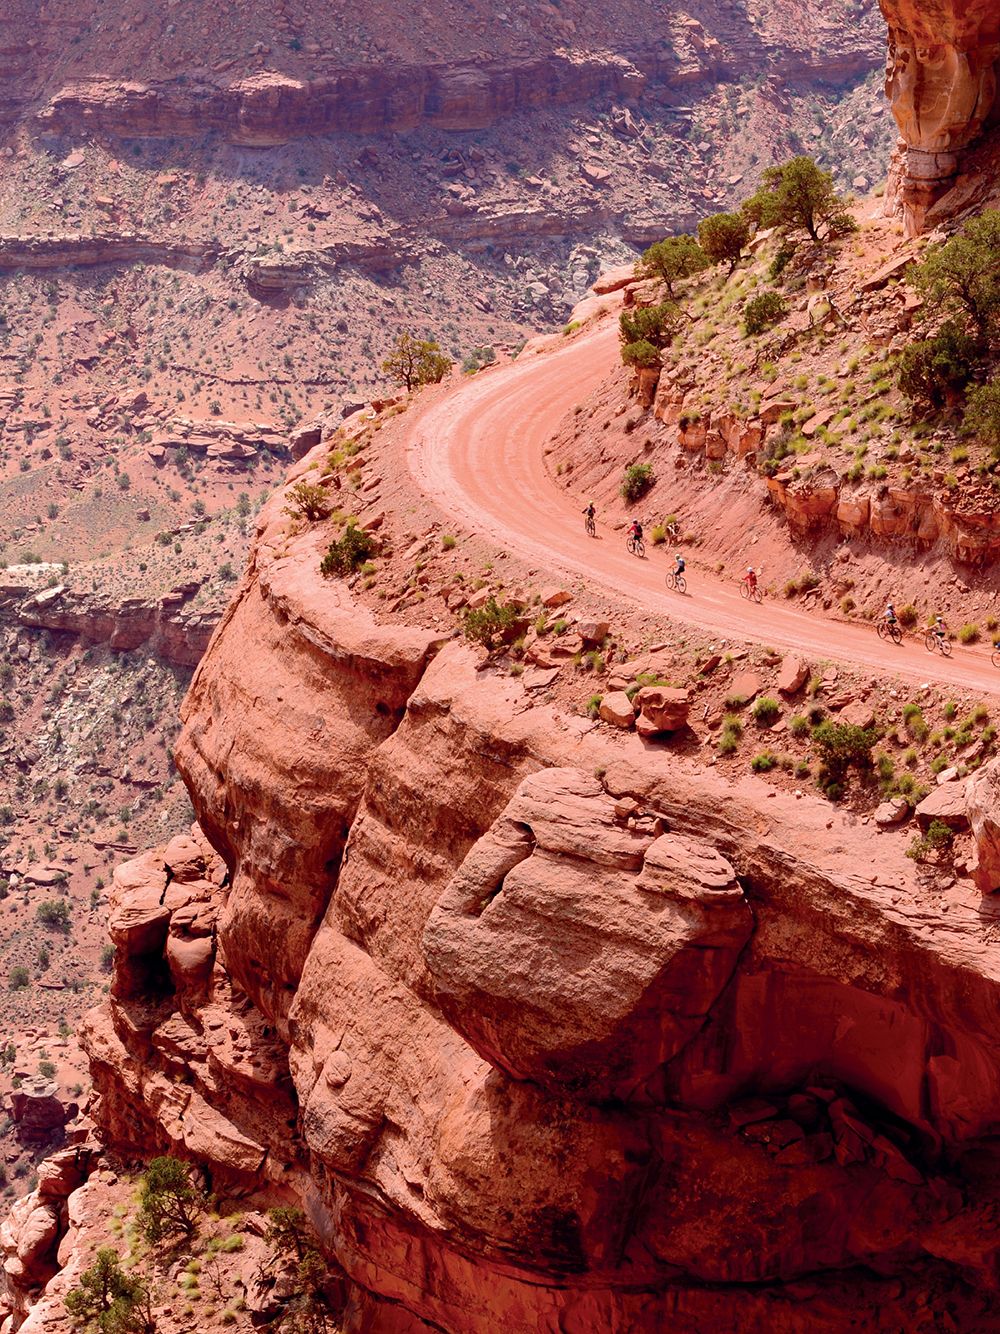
[(545, 1025)]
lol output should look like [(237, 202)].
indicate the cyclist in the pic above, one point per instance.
[(751, 578), (590, 512), (635, 530), (679, 566), (890, 614), (938, 628)]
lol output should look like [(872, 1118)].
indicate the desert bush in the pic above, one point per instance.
[(305, 500), (655, 325), (641, 355), (764, 762), (672, 259), (169, 1204), (110, 1300), (638, 479), (485, 624), (937, 838), (842, 746), (17, 978), (765, 711), (348, 552), (969, 633), (723, 236), (732, 733), (54, 913), (761, 312), (934, 371), (908, 616), (413, 362), (982, 415)]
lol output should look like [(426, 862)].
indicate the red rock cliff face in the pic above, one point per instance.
[(942, 82), (539, 1049)]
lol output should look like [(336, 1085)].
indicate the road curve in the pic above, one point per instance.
[(478, 452)]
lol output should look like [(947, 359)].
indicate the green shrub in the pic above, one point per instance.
[(937, 838), (109, 1299), (842, 746), (448, 542), (54, 913), (969, 633), (348, 552), (485, 624), (764, 762), (658, 535), (766, 711), (594, 705), (672, 259), (934, 371), (308, 501), (982, 415), (655, 325), (638, 479), (799, 727), (915, 722), (641, 355), (762, 312), (168, 1202), (732, 732), (17, 978)]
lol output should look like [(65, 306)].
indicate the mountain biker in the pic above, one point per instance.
[(635, 530), (890, 614), (751, 578), (938, 628), (590, 511), (679, 567)]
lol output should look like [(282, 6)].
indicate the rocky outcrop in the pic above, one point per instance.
[(162, 624), (31, 1234), (545, 1032), (942, 82)]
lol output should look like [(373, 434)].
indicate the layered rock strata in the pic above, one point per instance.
[(546, 1028), (941, 80)]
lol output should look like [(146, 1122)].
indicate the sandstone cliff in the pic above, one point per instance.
[(545, 1028), (942, 83)]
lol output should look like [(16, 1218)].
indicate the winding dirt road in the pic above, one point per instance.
[(479, 454)]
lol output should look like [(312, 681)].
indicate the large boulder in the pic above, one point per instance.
[(946, 805), (793, 675), (662, 709), (618, 709), (576, 951)]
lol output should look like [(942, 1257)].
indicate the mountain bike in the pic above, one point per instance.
[(890, 630), (636, 546), (590, 526), (676, 581), (752, 593), (934, 643)]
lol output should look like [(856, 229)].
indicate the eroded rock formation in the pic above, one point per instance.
[(545, 1028), (942, 82)]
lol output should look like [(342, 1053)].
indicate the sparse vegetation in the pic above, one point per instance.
[(638, 479), (348, 552)]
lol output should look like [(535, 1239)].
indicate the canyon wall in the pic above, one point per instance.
[(941, 80), (545, 1028)]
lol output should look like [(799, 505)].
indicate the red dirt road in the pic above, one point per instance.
[(479, 454)]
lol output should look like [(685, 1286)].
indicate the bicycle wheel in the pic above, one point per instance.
[(758, 596), (897, 634), (681, 584), (744, 589), (640, 548), (883, 629), (591, 528), (995, 658), (630, 546), (945, 647), (930, 641)]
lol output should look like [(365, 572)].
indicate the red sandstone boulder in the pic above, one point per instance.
[(601, 951), (661, 709), (617, 709), (793, 675), (947, 805)]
